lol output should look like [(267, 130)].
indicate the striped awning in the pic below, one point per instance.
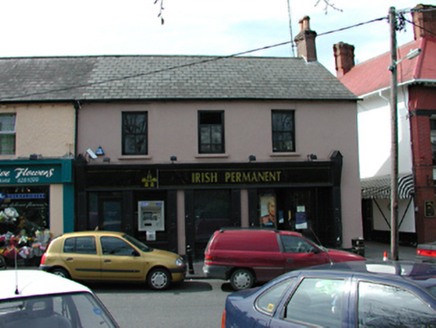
[(380, 187)]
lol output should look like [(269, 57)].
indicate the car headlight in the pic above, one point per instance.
[(180, 262)]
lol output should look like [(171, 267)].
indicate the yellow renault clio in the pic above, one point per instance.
[(111, 256)]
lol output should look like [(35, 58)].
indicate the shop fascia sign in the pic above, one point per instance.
[(29, 175)]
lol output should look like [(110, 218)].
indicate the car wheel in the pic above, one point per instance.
[(61, 272), (241, 279), (159, 279)]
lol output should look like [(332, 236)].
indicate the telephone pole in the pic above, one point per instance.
[(394, 136)]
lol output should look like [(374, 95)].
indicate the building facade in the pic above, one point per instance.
[(171, 148), (36, 176), (370, 80)]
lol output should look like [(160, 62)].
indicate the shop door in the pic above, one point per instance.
[(207, 212), (111, 214)]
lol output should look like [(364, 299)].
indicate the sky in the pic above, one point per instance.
[(193, 27)]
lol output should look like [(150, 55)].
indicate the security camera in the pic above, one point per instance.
[(91, 153)]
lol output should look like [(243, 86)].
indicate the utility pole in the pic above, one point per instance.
[(394, 136)]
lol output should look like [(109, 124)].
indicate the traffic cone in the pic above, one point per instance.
[(385, 256)]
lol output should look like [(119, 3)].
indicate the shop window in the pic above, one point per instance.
[(24, 222), (211, 132), (283, 131), (433, 139), (135, 133), (7, 134)]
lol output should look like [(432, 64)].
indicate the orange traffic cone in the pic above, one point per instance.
[(385, 256)]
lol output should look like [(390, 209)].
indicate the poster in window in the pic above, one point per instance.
[(268, 211), (301, 218)]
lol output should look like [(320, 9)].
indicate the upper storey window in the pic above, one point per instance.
[(283, 131), (211, 132), (7, 134), (135, 133)]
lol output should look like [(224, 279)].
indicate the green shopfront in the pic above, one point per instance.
[(178, 206), (36, 202)]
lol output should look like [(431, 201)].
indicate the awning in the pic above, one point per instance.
[(380, 187)]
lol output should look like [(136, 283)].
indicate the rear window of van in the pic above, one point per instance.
[(247, 241)]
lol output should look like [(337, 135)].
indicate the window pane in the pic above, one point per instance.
[(7, 123), (390, 306), (318, 302), (205, 134), (295, 244), (115, 246), (7, 144), (82, 245), (269, 300), (433, 139), (135, 133)]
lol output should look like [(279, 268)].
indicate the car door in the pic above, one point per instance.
[(80, 257), (299, 253), (316, 302), (120, 260), (391, 305)]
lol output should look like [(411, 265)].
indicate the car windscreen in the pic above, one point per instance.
[(57, 310), (137, 243)]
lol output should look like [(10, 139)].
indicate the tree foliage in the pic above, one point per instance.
[(327, 4)]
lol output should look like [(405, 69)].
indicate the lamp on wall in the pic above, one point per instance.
[(173, 159), (251, 158), (311, 157)]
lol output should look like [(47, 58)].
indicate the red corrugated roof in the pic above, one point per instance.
[(373, 75)]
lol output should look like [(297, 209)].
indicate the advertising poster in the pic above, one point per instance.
[(268, 211), (300, 218)]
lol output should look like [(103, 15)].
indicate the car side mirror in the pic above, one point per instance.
[(135, 253), (314, 250)]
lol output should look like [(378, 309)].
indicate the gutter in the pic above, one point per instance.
[(410, 82)]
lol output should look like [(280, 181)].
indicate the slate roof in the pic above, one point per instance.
[(97, 78), (373, 75)]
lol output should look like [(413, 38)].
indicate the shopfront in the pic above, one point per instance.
[(36, 203), (178, 206)]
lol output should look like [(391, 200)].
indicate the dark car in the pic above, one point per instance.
[(352, 294), (426, 252)]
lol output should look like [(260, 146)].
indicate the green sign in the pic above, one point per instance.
[(30, 174)]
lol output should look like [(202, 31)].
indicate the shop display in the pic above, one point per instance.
[(21, 239)]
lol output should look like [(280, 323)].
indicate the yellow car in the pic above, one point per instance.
[(111, 256)]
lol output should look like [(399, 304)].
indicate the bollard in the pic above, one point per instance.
[(189, 254)]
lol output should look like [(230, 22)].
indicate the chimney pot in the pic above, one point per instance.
[(305, 40), (344, 58)]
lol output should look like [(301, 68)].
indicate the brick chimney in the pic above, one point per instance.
[(424, 16), (344, 58), (305, 40)]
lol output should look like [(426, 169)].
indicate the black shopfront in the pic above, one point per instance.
[(142, 200)]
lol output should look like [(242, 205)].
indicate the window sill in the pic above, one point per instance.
[(212, 156), (290, 154), (130, 157)]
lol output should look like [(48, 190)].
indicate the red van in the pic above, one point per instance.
[(246, 255)]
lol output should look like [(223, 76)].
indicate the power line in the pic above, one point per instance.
[(209, 59)]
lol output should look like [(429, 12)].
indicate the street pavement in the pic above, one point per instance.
[(373, 251)]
